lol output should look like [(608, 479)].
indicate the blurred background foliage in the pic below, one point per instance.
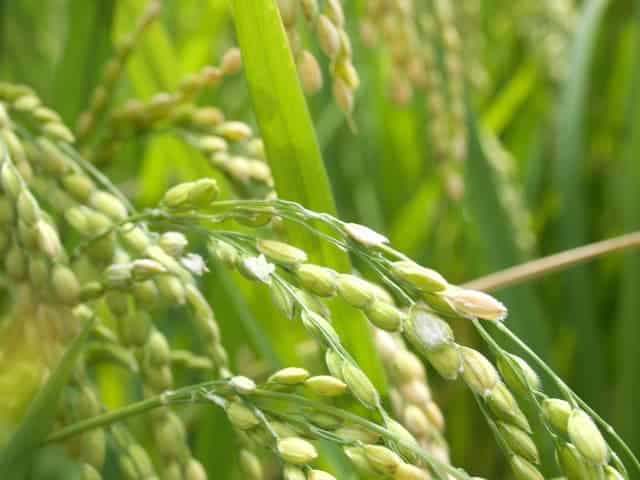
[(553, 129)]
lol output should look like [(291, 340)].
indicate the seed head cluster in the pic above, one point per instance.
[(74, 249), (328, 25)]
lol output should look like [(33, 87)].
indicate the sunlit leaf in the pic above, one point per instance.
[(38, 421)]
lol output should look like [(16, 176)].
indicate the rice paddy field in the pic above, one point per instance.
[(319, 239)]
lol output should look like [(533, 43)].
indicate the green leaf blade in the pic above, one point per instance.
[(293, 152), (569, 183), (40, 415)]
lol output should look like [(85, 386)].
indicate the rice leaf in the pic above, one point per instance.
[(499, 241), (627, 388), (569, 182), (292, 149), (38, 420), (502, 110), (80, 67)]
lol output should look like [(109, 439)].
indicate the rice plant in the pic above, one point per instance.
[(315, 239)]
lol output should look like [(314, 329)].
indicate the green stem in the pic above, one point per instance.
[(358, 420), (186, 394), (194, 393), (107, 418), (495, 281)]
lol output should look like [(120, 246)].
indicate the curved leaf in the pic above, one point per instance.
[(38, 420)]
